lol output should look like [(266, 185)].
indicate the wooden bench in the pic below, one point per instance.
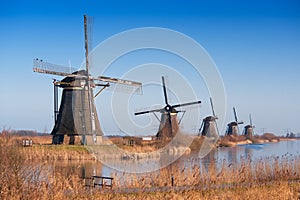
[(101, 181), (88, 181), (27, 142)]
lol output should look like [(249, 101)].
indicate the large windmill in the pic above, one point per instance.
[(248, 129), (77, 115), (169, 125), (209, 126), (233, 127)]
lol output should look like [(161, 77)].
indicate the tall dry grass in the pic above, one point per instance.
[(267, 178)]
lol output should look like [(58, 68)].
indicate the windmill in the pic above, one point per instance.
[(77, 115), (248, 130), (209, 124), (169, 124), (233, 127)]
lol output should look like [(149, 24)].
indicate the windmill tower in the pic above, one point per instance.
[(233, 127), (209, 126), (77, 115), (248, 130), (169, 124)]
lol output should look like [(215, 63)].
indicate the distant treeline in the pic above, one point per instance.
[(22, 133)]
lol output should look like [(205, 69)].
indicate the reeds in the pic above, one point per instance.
[(265, 178)]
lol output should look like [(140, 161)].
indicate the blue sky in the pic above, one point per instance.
[(255, 45)]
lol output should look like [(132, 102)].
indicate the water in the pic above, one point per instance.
[(257, 151), (228, 154)]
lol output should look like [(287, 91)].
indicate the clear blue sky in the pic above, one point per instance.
[(255, 45)]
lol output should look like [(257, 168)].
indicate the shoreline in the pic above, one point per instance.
[(43, 150)]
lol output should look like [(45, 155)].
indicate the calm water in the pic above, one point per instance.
[(229, 154), (234, 154)]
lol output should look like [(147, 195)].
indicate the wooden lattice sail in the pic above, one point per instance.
[(77, 115), (169, 124)]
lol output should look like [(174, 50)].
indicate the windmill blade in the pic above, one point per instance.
[(156, 116), (125, 89), (178, 111), (253, 127), (181, 116), (130, 86), (165, 90), (118, 81), (235, 116), (121, 85), (141, 113), (90, 97), (86, 43), (170, 122), (216, 124), (214, 115), (90, 30), (148, 111), (212, 107), (40, 66), (200, 128), (186, 104), (236, 120), (88, 35)]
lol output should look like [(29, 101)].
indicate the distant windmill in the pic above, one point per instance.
[(233, 127), (209, 124), (249, 129), (77, 115), (169, 125)]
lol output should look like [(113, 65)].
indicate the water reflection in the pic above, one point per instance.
[(206, 161), (82, 169), (216, 156)]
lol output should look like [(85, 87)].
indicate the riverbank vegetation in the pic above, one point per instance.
[(265, 178)]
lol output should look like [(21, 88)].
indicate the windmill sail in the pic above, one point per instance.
[(115, 84), (169, 124), (91, 103), (40, 66), (121, 85), (77, 114)]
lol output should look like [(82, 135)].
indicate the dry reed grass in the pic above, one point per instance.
[(267, 178)]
